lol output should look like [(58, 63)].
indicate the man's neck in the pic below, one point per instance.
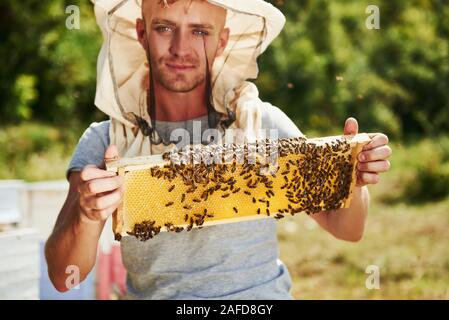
[(174, 106)]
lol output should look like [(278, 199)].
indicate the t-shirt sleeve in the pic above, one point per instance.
[(274, 118), (91, 147)]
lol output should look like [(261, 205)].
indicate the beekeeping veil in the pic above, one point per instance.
[(123, 72)]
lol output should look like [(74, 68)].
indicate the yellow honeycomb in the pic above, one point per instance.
[(162, 196)]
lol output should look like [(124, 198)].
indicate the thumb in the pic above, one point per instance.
[(351, 127), (111, 153)]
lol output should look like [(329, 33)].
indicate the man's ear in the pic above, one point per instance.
[(140, 29), (223, 41)]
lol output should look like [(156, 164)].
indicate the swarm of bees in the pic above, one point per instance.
[(206, 183)]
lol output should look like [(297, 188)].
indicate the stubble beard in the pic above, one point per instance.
[(180, 83)]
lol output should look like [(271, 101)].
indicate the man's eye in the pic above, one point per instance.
[(163, 29), (199, 32)]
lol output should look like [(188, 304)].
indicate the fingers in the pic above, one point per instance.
[(365, 178), (377, 140), (91, 172), (103, 202), (98, 215), (100, 185), (100, 208), (101, 192), (351, 126), (374, 166), (111, 153), (373, 159), (379, 153)]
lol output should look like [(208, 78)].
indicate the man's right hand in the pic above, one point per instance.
[(100, 191)]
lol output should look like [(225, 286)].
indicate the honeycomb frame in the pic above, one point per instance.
[(311, 175)]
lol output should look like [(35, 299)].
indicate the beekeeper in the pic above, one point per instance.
[(168, 69)]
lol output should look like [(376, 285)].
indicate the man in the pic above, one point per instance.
[(183, 40)]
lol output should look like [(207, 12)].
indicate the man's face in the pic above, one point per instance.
[(179, 38)]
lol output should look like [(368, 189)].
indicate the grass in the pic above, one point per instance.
[(408, 241), (409, 244)]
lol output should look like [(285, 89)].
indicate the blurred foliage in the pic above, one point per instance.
[(36, 151), (325, 66), (431, 174), (419, 172), (432, 183), (48, 73)]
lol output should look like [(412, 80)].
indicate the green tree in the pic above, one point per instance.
[(47, 71)]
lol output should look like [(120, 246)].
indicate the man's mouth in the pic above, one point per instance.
[(179, 67)]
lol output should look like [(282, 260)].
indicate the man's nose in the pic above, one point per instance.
[(180, 45)]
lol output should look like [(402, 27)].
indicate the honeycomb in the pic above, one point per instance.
[(178, 194)]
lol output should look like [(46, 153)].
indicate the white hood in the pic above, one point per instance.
[(122, 70)]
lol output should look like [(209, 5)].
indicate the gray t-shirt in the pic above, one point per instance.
[(182, 132), (232, 261)]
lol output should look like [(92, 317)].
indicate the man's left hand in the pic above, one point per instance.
[(373, 158)]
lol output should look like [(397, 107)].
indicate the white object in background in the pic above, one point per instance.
[(11, 201), (45, 201), (19, 265)]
